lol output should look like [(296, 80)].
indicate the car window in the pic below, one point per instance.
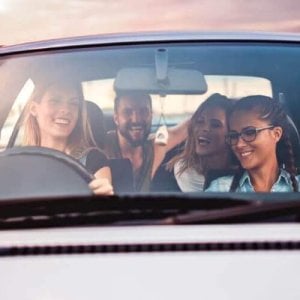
[(178, 107), (15, 112), (152, 101)]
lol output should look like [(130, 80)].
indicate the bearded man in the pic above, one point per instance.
[(132, 139)]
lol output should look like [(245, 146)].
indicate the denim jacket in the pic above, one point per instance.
[(222, 184)]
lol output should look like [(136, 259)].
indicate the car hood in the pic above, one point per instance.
[(151, 273), (151, 234)]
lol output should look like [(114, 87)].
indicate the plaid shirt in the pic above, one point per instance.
[(222, 184)]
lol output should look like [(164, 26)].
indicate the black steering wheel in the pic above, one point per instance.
[(29, 171)]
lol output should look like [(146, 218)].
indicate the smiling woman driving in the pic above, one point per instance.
[(55, 117), (259, 138)]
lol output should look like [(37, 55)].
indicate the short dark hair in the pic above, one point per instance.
[(136, 96)]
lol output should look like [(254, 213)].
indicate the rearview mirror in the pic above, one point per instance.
[(176, 82)]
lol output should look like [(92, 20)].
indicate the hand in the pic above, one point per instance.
[(101, 186)]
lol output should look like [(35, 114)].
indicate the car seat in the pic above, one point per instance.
[(96, 119), (295, 140)]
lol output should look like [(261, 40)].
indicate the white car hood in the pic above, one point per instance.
[(248, 274)]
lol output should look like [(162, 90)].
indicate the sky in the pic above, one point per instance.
[(31, 20)]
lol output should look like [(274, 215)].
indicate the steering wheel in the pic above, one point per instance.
[(41, 172)]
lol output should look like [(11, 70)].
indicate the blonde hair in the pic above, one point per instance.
[(81, 137), (188, 156)]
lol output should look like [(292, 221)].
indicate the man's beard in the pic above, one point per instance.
[(125, 132)]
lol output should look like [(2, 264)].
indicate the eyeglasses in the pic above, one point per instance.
[(247, 134)]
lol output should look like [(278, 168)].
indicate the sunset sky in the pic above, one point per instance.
[(29, 20)]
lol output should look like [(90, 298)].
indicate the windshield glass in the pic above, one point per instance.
[(157, 118)]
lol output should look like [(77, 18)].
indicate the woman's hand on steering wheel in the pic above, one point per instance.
[(101, 186)]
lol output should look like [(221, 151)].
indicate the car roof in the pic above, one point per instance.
[(148, 37)]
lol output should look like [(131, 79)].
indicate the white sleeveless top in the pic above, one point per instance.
[(189, 180)]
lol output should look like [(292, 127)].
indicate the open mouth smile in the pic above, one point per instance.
[(62, 121), (203, 141), (244, 154), (136, 128)]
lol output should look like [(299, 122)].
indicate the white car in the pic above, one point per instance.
[(59, 241)]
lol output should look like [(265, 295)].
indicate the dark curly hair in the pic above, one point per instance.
[(136, 96)]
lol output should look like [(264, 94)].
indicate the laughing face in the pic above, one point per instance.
[(262, 150), (56, 113), (133, 119), (209, 131)]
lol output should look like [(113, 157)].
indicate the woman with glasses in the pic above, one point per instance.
[(205, 149), (258, 136)]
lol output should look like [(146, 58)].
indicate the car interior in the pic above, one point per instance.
[(173, 74)]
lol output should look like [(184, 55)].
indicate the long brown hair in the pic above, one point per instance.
[(271, 111), (81, 137), (188, 157)]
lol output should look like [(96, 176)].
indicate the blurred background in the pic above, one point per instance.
[(30, 20)]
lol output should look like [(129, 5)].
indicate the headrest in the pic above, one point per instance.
[(295, 140), (96, 119)]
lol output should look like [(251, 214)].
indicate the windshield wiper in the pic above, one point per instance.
[(95, 210), (145, 209), (258, 211)]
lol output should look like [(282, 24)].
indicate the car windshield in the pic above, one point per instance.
[(156, 118)]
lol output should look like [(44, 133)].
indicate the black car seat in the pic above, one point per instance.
[(96, 119), (293, 130), (295, 140)]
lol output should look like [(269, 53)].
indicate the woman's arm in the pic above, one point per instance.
[(177, 134)]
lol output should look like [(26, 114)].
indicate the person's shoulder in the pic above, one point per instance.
[(189, 180), (95, 152), (189, 172), (287, 176), (95, 159), (221, 184), (178, 165)]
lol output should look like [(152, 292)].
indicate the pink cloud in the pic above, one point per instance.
[(27, 20)]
